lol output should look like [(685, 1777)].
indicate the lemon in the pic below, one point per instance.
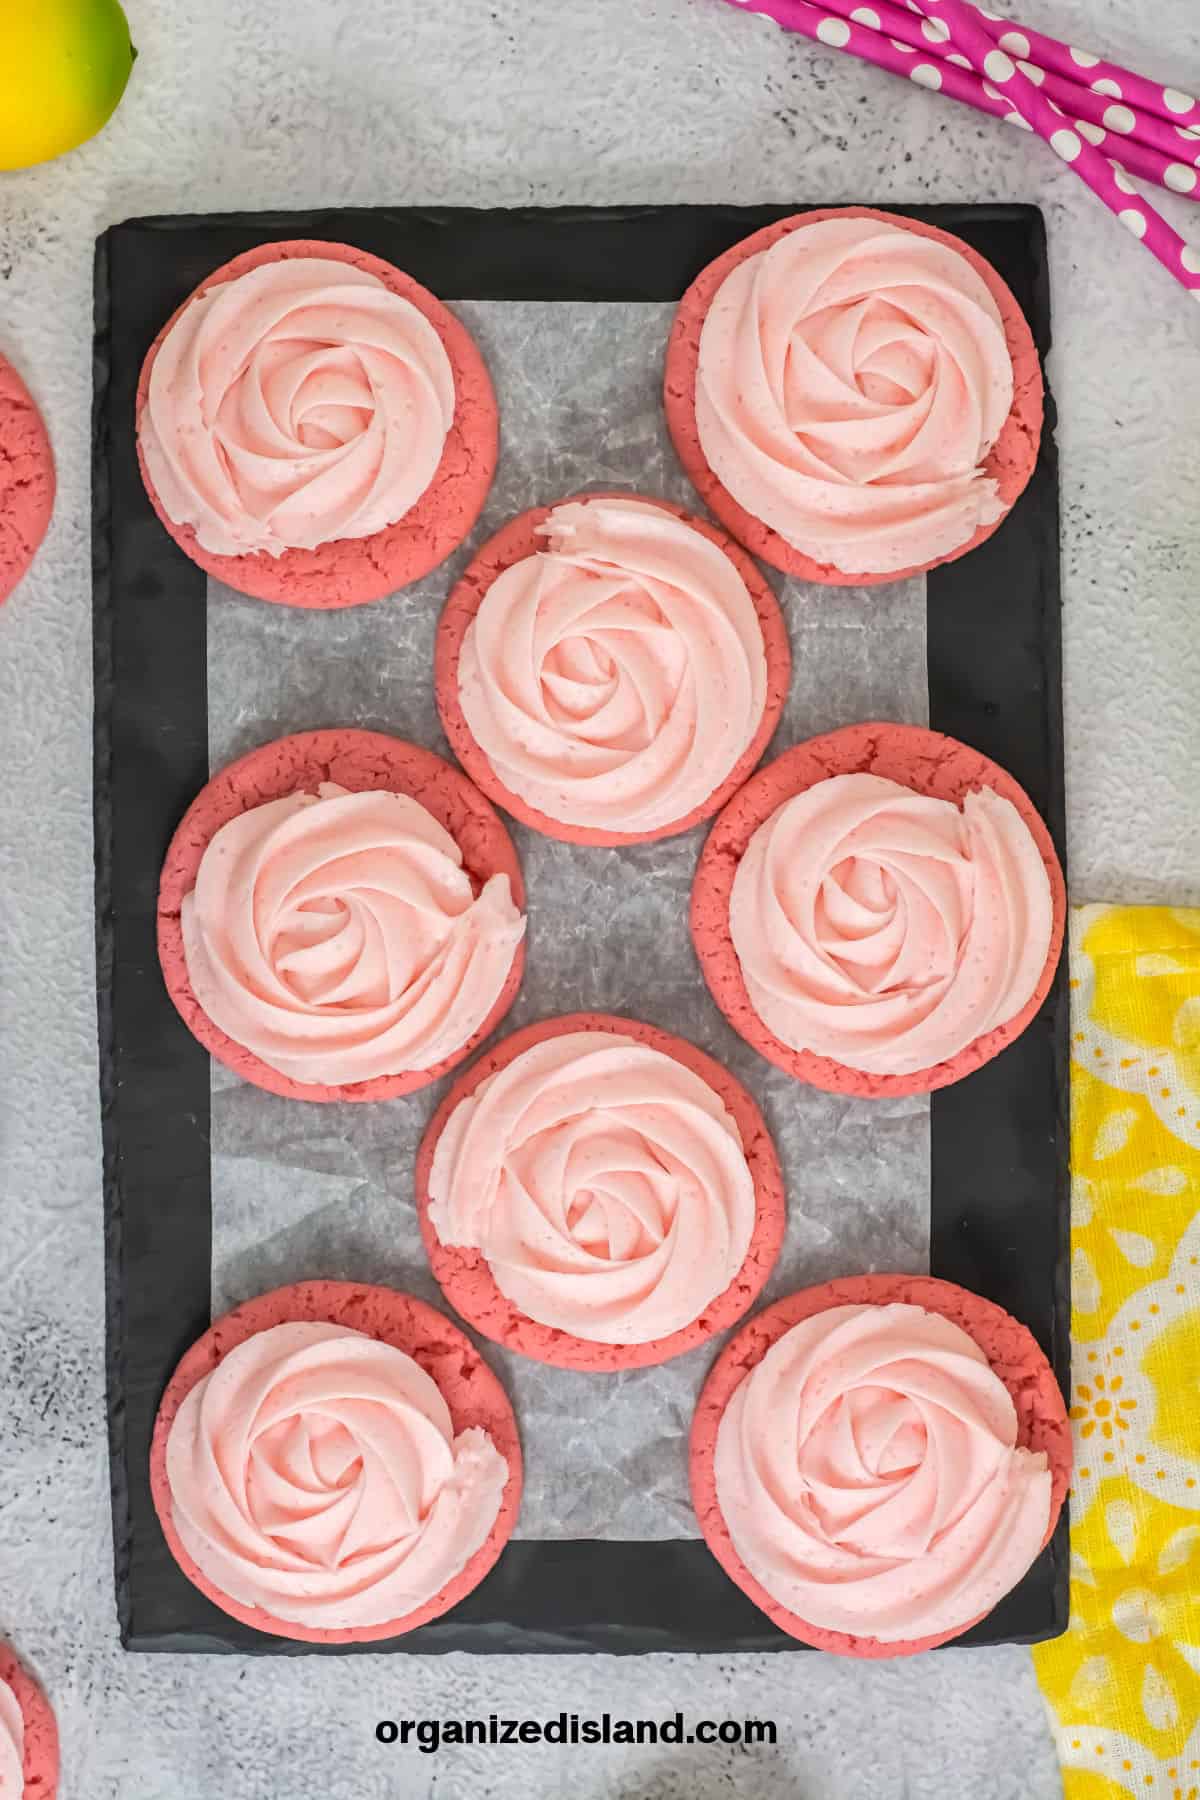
[(63, 68)]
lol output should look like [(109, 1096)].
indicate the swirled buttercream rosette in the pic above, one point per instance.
[(878, 1461), (879, 911), (598, 1194), (610, 669), (315, 427), (335, 1463), (856, 396), (340, 917)]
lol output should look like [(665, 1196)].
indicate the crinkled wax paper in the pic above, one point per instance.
[(307, 1190)]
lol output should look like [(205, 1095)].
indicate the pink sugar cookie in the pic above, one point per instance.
[(511, 544), (361, 761), (26, 479), (469, 1388), (1010, 462), (350, 571), (464, 1275), (1011, 1350), (41, 1730), (928, 763)]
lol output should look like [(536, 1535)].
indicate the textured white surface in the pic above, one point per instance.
[(256, 103)]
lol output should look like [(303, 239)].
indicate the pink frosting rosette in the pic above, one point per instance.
[(851, 381), (615, 678), (337, 936), (605, 1183), (302, 403), (888, 929), (315, 1474), (870, 1479)]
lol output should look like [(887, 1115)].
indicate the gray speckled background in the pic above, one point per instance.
[(260, 103)]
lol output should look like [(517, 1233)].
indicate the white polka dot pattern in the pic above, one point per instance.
[(1119, 118), (1016, 42), (835, 32), (1026, 79)]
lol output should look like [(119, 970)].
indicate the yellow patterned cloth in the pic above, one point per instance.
[(1123, 1684)]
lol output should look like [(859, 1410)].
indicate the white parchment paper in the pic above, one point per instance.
[(302, 1191)]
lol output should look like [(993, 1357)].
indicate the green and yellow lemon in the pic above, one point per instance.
[(63, 68)]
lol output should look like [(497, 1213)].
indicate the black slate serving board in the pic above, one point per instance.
[(999, 1199)]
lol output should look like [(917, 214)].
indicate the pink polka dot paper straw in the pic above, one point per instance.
[(1177, 109), (1111, 121), (866, 31), (847, 25), (1145, 146), (859, 33), (1104, 105), (1109, 182)]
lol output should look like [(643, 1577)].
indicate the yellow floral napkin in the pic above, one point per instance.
[(1123, 1684)]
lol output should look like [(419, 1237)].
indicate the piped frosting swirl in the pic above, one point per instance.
[(315, 1473), (604, 1183), (338, 937), (615, 678), (868, 1473), (299, 403), (887, 929), (851, 382)]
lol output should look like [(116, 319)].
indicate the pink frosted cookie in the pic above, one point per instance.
[(344, 931), (610, 669), (338, 1505), (26, 479), (858, 403), (28, 1733), (866, 941), (812, 1445), (320, 434), (571, 1151)]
